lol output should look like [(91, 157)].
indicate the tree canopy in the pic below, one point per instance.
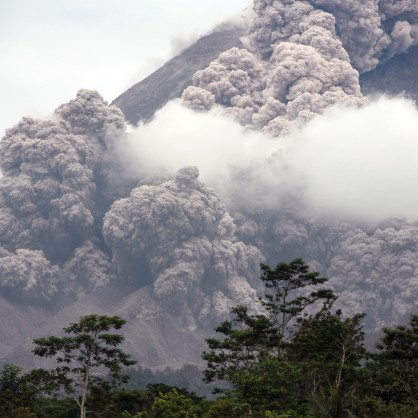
[(297, 351), (295, 355), (88, 349)]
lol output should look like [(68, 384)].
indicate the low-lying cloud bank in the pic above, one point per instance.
[(352, 163), (362, 162)]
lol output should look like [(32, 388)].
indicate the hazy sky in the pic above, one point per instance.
[(49, 49)]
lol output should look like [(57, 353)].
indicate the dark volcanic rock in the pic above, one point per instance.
[(141, 101), (399, 75)]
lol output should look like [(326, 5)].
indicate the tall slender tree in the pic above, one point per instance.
[(88, 355)]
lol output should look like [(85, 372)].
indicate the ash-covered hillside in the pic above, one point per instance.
[(140, 102), (276, 152)]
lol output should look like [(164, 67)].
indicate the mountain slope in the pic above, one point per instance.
[(395, 76), (143, 99)]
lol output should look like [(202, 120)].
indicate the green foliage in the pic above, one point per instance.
[(329, 352), (53, 408), (298, 356), (81, 356), (11, 391), (133, 402), (21, 394), (126, 414), (246, 337), (17, 391), (112, 404), (373, 407), (394, 368), (249, 338), (228, 408), (173, 405), (189, 376), (288, 304), (88, 346), (22, 412)]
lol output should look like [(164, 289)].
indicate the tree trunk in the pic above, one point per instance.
[(84, 396)]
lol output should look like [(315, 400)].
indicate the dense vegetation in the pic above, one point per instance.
[(294, 356)]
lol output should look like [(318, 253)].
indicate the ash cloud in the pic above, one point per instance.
[(88, 269), (336, 191), (297, 68), (47, 186), (312, 169), (49, 195), (304, 57), (376, 271), (179, 236), (60, 178), (28, 275), (365, 29)]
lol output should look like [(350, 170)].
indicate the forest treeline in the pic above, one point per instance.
[(292, 355)]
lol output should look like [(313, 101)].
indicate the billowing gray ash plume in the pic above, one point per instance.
[(376, 271), (180, 237), (297, 68), (176, 236), (47, 189), (27, 275), (372, 269), (76, 215), (369, 30), (305, 58), (48, 193)]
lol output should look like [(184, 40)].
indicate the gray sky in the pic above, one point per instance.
[(49, 49)]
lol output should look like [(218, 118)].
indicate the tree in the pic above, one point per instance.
[(329, 351), (22, 412), (227, 408), (252, 355), (17, 391), (11, 389), (171, 402), (173, 405), (84, 354), (394, 367), (286, 306)]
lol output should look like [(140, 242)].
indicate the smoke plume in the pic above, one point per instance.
[(311, 169), (306, 56), (179, 237), (49, 197), (344, 174), (297, 68)]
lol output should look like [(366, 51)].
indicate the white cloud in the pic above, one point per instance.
[(212, 141), (362, 162), (348, 162)]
